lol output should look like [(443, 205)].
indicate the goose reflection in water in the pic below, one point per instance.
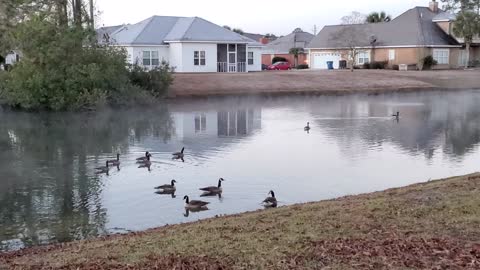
[(212, 194), (194, 210), (167, 192)]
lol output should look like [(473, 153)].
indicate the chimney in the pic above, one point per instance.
[(434, 6), (264, 40)]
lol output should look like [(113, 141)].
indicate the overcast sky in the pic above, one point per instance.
[(256, 16)]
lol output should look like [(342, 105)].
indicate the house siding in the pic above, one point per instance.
[(257, 59), (137, 53), (175, 56), (210, 57), (445, 26), (408, 56)]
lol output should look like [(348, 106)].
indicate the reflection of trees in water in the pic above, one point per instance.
[(47, 189), (448, 123)]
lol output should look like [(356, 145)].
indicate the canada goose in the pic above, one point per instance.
[(168, 187), (396, 115), (179, 155), (307, 128), (104, 169), (270, 201), (214, 189), (145, 164), (115, 162), (194, 203), (142, 159)]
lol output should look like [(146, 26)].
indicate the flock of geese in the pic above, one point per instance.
[(192, 205)]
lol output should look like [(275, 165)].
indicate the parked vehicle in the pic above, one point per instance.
[(280, 66)]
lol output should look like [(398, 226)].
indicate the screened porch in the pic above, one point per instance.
[(231, 57)]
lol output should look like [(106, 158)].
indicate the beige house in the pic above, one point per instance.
[(406, 40)]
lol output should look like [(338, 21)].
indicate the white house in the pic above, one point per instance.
[(12, 58), (190, 44)]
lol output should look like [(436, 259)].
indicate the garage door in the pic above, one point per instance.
[(320, 60)]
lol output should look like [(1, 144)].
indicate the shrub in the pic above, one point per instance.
[(428, 62), (155, 81), (474, 63), (278, 59), (376, 65), (58, 72), (302, 66), (379, 65)]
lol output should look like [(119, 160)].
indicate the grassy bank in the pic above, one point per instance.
[(436, 224)]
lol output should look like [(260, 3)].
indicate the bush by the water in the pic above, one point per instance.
[(62, 70), (376, 65), (428, 62), (278, 59)]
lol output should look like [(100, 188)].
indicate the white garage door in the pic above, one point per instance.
[(320, 60)]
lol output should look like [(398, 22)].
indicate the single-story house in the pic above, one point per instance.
[(281, 47), (190, 44), (12, 57), (407, 39)]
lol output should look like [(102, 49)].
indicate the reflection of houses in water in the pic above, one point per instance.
[(222, 123)]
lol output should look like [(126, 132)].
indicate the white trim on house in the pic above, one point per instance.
[(442, 56)]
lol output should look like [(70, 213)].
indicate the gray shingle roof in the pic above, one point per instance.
[(158, 30), (444, 17), (296, 39), (412, 28)]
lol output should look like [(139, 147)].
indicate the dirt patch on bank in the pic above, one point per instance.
[(338, 82)]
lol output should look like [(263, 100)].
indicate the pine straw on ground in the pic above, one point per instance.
[(435, 225)]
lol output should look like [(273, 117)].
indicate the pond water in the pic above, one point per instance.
[(49, 192)]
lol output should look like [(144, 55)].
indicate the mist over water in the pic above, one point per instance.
[(49, 192)]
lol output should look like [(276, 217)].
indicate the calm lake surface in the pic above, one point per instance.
[(49, 192)]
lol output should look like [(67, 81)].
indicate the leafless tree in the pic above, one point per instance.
[(350, 41), (354, 18)]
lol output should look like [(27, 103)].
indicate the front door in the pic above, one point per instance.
[(232, 58)]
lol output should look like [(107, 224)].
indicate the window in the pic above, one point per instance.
[(200, 123), (150, 58), (391, 55), (250, 58), (363, 57), (155, 60), (441, 56), (199, 58), (146, 58)]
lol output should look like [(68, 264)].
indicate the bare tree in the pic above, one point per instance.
[(354, 18), (350, 41)]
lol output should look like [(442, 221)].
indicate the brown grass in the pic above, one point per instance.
[(431, 225), (338, 82)]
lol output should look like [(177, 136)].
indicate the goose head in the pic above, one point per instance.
[(173, 182), (220, 182), (272, 193), (183, 149), (118, 156), (186, 199), (308, 124), (106, 163), (147, 154)]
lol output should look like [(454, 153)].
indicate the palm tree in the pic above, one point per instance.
[(377, 17), (296, 52), (467, 26)]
